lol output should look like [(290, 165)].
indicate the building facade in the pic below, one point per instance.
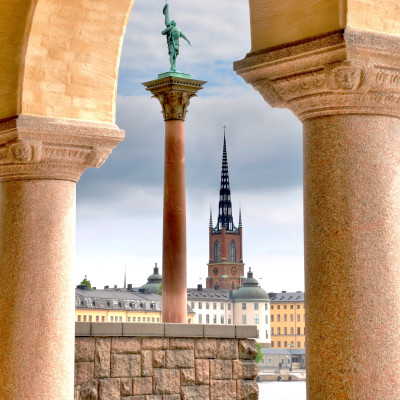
[(288, 320), (225, 266)]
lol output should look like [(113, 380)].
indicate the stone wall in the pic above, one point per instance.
[(190, 365)]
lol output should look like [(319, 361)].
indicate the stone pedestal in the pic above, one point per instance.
[(40, 161), (174, 94), (345, 88)]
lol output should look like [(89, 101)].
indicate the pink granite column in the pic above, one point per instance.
[(174, 93), (174, 224), (40, 161), (345, 89)]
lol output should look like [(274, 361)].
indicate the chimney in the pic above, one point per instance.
[(106, 287), (200, 287)]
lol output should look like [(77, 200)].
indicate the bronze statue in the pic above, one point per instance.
[(173, 35)]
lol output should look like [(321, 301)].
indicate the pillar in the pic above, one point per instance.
[(345, 88), (41, 160), (174, 93)]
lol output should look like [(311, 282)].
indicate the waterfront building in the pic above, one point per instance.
[(288, 320), (283, 358)]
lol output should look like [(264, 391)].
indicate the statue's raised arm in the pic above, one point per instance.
[(173, 34)]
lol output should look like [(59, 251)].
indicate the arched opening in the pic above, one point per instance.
[(232, 251), (216, 251)]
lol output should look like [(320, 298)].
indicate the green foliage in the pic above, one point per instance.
[(160, 290), (259, 356), (86, 282)]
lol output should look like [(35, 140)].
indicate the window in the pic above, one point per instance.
[(291, 317), (291, 331), (216, 252), (207, 319), (298, 344), (272, 307), (256, 320), (148, 319), (207, 306), (133, 319), (158, 319), (139, 319), (192, 304), (84, 318), (103, 318), (243, 319), (298, 306), (90, 318), (279, 330), (229, 306), (285, 330), (79, 318), (272, 318), (272, 344), (153, 319), (112, 319), (200, 319), (129, 319), (269, 361), (266, 306), (266, 334), (291, 306), (279, 307), (285, 343), (266, 319), (229, 319), (222, 319), (288, 361), (279, 317), (285, 317), (214, 306), (200, 305), (298, 317), (256, 306), (272, 331), (222, 306), (232, 251), (279, 343), (97, 318), (120, 319), (214, 319), (285, 306), (298, 331), (243, 306)]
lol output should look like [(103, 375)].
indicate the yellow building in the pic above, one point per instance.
[(119, 305), (287, 320)]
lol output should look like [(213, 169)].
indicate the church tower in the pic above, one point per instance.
[(225, 267)]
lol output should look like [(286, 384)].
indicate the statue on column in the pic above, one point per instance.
[(173, 35)]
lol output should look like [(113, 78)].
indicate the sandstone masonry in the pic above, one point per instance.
[(164, 368)]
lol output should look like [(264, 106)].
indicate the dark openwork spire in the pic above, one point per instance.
[(225, 206), (211, 223), (240, 217)]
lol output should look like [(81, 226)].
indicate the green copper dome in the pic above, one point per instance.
[(250, 290), (153, 282)]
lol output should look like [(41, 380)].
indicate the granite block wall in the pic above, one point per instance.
[(165, 368)]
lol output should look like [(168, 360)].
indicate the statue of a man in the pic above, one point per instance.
[(173, 35)]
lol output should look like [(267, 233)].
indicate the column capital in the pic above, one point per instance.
[(174, 94), (45, 148), (350, 72)]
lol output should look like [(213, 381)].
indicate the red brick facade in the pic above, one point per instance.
[(225, 267)]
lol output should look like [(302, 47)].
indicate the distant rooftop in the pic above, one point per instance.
[(286, 297)]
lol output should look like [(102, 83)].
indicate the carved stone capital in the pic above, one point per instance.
[(344, 73), (45, 148), (174, 94)]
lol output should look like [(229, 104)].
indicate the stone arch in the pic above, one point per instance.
[(61, 58)]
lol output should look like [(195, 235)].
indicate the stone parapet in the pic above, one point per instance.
[(164, 367), (349, 72), (46, 148)]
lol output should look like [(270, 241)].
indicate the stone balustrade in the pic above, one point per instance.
[(115, 361)]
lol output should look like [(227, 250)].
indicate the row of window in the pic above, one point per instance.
[(89, 318), (285, 331), (285, 307), (255, 305), (232, 250), (214, 305), (131, 305), (285, 317), (285, 344), (214, 319)]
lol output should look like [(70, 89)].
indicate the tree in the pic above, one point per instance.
[(86, 282), (259, 355)]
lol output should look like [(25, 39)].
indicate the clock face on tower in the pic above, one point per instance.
[(215, 270), (234, 270)]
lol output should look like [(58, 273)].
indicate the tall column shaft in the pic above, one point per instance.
[(37, 224), (174, 225), (174, 93), (41, 160), (352, 256), (345, 89)]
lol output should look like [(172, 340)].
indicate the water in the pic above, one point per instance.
[(282, 390)]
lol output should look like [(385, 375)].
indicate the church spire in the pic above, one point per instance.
[(225, 206), (240, 217), (211, 223)]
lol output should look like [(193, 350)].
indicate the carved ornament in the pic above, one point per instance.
[(45, 148), (346, 73)]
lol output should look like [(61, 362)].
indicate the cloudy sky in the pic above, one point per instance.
[(119, 206)]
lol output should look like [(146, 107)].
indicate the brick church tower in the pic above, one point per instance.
[(225, 267)]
